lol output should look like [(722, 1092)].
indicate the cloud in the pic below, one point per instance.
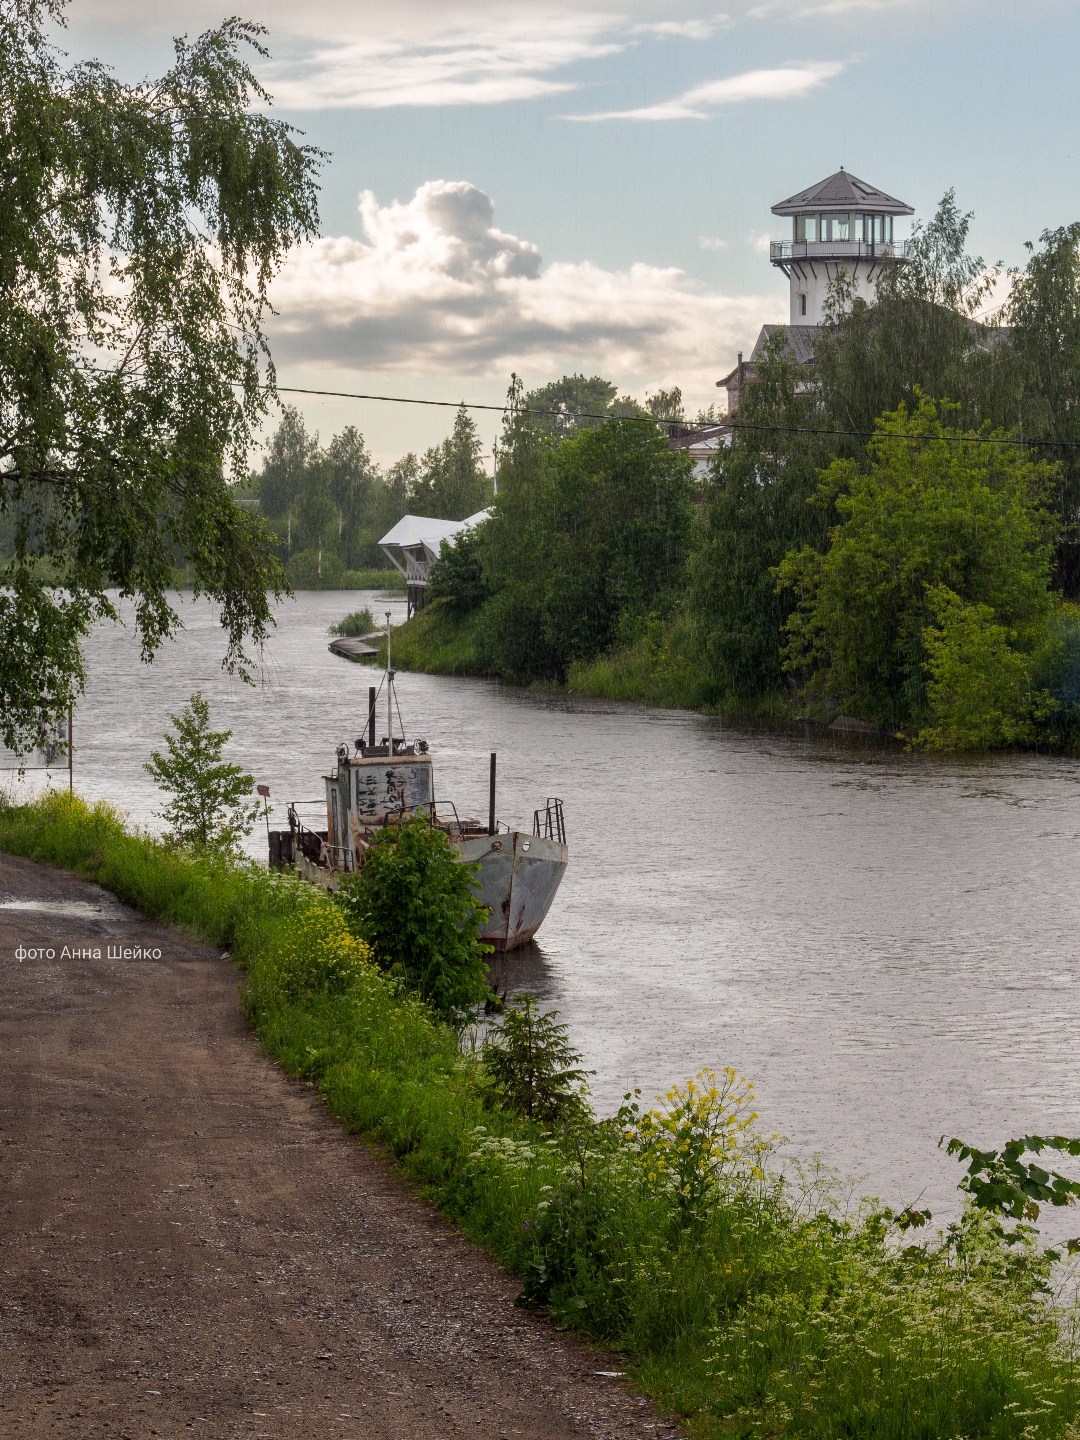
[(760, 242), (436, 288), (686, 29), (708, 242), (786, 82), (471, 66)]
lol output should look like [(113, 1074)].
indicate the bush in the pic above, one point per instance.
[(415, 906), (307, 571), (354, 625)]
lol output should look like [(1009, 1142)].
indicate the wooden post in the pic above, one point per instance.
[(71, 754), (371, 715), (491, 797)]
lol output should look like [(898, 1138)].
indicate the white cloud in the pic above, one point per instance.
[(686, 29), (438, 289), (710, 242), (474, 66), (760, 242), (783, 83)]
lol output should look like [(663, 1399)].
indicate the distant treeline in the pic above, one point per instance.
[(329, 505), (872, 542)]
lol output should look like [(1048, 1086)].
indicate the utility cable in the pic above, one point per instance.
[(727, 424)]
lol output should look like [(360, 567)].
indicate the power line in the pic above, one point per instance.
[(729, 424)]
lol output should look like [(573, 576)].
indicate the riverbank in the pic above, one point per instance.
[(751, 1304), (657, 668), (190, 1239)]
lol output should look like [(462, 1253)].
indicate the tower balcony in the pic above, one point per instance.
[(787, 252)]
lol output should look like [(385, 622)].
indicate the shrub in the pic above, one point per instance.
[(415, 905), (354, 625), (208, 808)]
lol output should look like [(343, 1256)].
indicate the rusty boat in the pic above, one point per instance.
[(373, 785)]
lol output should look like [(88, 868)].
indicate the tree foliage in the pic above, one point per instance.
[(564, 407), (210, 807), (450, 482), (140, 229), (416, 906), (926, 514), (756, 509), (458, 574), (584, 532), (531, 1066)]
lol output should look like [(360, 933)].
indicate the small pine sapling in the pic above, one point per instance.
[(532, 1068)]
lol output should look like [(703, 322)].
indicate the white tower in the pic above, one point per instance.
[(842, 223)]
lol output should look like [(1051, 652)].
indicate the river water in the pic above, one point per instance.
[(885, 944)]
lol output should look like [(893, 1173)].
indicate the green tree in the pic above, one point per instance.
[(532, 1067), (1043, 313), (756, 508), (288, 458), (920, 335), (980, 690), (209, 809), (578, 404), (450, 483), (927, 513), (458, 574), (140, 229), (585, 532), (416, 906), (666, 405)]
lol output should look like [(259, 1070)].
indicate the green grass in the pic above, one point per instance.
[(360, 580), (438, 642), (751, 1306)]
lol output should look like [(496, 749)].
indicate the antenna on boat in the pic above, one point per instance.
[(389, 695)]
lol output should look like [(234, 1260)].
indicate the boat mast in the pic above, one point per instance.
[(389, 697)]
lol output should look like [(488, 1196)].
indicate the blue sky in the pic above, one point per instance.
[(505, 226)]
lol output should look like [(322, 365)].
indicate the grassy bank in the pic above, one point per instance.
[(436, 642), (744, 1297)]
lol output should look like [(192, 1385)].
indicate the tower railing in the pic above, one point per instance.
[(782, 252)]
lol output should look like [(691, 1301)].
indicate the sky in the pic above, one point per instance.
[(549, 188)]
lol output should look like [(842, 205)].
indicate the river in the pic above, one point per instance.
[(886, 944)]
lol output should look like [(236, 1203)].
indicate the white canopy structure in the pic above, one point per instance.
[(416, 540)]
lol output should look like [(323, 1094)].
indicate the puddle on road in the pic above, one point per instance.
[(81, 908)]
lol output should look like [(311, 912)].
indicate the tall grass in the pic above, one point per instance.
[(744, 1298)]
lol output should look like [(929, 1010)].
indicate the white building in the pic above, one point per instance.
[(840, 224)]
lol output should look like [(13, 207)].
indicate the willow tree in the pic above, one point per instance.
[(140, 227)]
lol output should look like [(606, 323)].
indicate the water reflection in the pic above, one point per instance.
[(885, 943)]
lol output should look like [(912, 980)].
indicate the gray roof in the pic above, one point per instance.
[(800, 341), (842, 192)]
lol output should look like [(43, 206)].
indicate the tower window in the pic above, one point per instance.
[(836, 227), (802, 304), (806, 228)]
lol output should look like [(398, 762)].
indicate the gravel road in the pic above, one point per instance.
[(189, 1243)]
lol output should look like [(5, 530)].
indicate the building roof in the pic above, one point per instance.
[(842, 191), (424, 530), (800, 341)]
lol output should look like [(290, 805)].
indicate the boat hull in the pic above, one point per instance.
[(519, 875), (518, 878)]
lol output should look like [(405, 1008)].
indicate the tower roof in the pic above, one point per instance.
[(842, 192)]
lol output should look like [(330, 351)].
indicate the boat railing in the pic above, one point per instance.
[(552, 825), (312, 844)]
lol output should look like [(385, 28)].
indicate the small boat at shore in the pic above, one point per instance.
[(374, 785)]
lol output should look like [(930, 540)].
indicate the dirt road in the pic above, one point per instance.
[(190, 1244)]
